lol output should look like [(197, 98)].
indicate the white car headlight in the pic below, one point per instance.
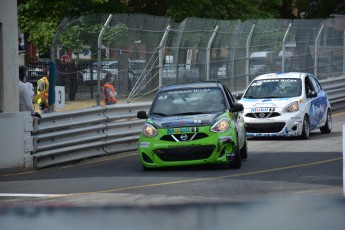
[(292, 107), (149, 131), (221, 126)]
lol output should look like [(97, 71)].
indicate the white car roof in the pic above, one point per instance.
[(287, 53), (260, 54), (281, 75)]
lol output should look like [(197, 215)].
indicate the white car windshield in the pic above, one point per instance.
[(274, 88), (188, 102)]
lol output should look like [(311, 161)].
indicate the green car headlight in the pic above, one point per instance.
[(149, 131), (292, 107), (221, 126)]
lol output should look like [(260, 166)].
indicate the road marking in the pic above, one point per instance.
[(204, 179), (338, 114), (30, 195), (169, 183), (80, 164), (16, 174), (101, 160)]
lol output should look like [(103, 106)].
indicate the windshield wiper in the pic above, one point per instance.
[(160, 114), (250, 97), (270, 97), (188, 113)]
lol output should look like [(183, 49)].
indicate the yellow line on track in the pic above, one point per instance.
[(18, 173), (70, 166), (202, 179), (339, 114)]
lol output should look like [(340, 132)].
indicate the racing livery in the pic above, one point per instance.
[(190, 124), (285, 104)]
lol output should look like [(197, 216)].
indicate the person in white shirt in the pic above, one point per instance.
[(25, 96), (31, 89)]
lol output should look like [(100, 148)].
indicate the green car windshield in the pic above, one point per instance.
[(274, 88), (188, 102)]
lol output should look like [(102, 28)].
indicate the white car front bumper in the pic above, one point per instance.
[(276, 124)]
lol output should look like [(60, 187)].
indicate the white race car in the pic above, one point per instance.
[(285, 104)]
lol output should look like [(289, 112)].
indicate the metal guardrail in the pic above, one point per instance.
[(71, 136), (75, 135), (335, 88)]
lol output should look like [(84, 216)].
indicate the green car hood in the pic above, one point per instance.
[(182, 121)]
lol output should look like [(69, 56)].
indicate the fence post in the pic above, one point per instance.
[(52, 66), (56, 36), (248, 53), (316, 50), (51, 88), (99, 58), (160, 56), (208, 52), (284, 43)]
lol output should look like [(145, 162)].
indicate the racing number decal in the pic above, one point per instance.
[(59, 97)]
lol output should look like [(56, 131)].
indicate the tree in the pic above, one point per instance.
[(320, 8), (39, 19), (218, 9)]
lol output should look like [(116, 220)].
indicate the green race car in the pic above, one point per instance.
[(193, 123)]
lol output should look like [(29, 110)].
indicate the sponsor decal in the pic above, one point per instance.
[(262, 110), (183, 130), (189, 91), (262, 104), (183, 122), (144, 144)]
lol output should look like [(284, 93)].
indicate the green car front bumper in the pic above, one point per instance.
[(206, 147)]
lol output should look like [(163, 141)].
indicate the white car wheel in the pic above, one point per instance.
[(306, 128), (328, 126)]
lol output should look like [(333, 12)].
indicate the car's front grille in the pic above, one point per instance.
[(262, 115), (184, 137), (185, 153), (264, 127)]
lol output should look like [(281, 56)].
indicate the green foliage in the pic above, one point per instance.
[(117, 35), (83, 32), (321, 8), (224, 9), (39, 19), (72, 39)]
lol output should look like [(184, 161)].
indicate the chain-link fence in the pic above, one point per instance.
[(144, 52)]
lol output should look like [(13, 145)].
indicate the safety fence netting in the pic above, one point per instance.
[(145, 52)]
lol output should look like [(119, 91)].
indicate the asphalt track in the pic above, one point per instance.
[(277, 168)]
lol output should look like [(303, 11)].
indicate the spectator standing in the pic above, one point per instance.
[(42, 88), (25, 95), (31, 89), (109, 93)]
